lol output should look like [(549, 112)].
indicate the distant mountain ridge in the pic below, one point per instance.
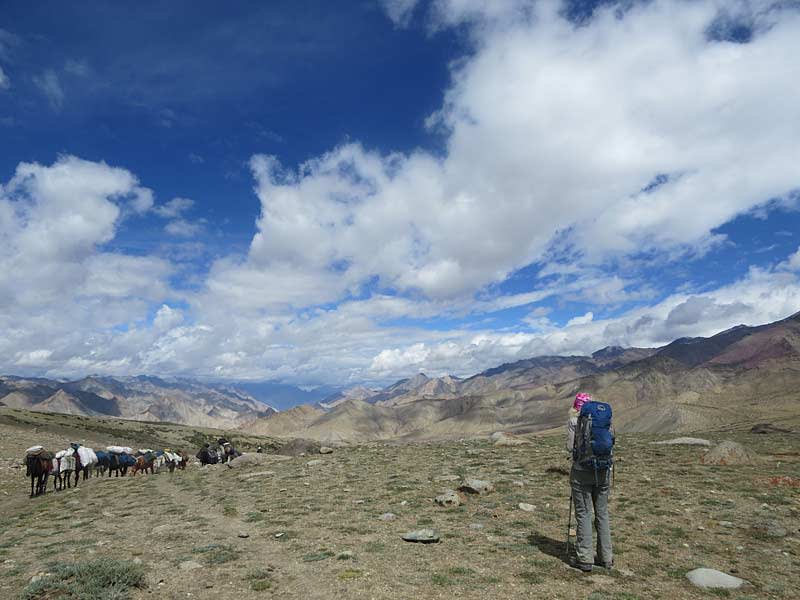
[(144, 398), (739, 376)]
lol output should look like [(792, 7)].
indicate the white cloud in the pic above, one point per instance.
[(792, 263), (4, 82), (50, 86), (174, 208), (79, 68), (551, 134), (550, 128), (400, 11), (183, 228)]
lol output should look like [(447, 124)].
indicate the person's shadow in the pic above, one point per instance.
[(549, 546)]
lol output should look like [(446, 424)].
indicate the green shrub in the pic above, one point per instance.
[(100, 579)]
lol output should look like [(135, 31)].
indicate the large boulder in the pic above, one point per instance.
[(729, 453), (502, 439)]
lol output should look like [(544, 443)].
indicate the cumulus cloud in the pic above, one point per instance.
[(590, 152), (61, 291), (4, 82), (600, 139)]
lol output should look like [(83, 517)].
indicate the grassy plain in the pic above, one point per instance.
[(315, 531)]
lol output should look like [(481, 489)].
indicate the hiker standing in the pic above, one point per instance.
[(590, 439)]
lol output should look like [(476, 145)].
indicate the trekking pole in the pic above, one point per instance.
[(569, 525)]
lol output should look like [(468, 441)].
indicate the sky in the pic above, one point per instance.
[(354, 193)]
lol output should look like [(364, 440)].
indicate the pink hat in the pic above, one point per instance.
[(580, 399)]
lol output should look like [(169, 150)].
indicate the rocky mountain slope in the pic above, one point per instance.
[(736, 378), (141, 398)]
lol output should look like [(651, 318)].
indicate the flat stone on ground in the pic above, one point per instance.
[(711, 578), (683, 441), (422, 536)]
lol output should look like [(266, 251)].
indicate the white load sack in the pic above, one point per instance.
[(119, 449), (61, 454), (88, 457), (34, 449)]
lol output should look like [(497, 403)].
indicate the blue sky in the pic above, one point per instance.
[(318, 194)]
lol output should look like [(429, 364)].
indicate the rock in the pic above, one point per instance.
[(683, 441), (314, 463), (190, 565), (476, 486), (476, 526), (729, 453), (243, 534), (447, 478), (254, 459), (711, 578), (255, 475), (449, 498), (387, 517), (325, 450), (279, 535), (625, 572), (518, 483), (526, 507), (137, 561), (502, 439), (422, 536), (474, 452)]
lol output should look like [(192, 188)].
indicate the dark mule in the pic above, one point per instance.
[(38, 467), (87, 458), (207, 456), (102, 463), (119, 463)]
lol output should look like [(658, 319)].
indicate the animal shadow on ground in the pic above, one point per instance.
[(549, 546)]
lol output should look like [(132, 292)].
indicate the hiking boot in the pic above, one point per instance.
[(605, 565), (585, 567)]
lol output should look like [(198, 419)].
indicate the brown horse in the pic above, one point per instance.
[(143, 463), (38, 467)]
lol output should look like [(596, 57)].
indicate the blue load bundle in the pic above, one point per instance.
[(126, 460)]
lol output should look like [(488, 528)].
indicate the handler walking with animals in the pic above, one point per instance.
[(590, 439)]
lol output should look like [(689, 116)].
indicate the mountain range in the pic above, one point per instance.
[(141, 398), (736, 378), (740, 376)]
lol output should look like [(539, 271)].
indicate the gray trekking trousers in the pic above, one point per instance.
[(590, 495)]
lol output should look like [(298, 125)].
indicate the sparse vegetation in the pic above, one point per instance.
[(305, 530), (99, 579)]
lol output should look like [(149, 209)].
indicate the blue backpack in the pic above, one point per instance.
[(594, 439)]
